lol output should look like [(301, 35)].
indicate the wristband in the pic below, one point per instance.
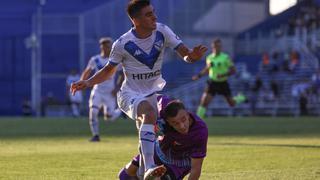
[(186, 58)]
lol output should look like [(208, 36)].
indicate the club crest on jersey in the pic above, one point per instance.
[(137, 52), (147, 59)]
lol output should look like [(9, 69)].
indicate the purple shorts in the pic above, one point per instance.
[(173, 172)]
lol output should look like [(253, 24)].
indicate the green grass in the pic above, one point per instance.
[(238, 148)]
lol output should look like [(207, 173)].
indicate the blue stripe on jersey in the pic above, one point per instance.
[(144, 139), (146, 59), (112, 63), (99, 65)]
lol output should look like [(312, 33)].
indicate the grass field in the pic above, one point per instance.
[(238, 148)]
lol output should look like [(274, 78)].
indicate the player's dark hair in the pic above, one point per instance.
[(172, 109), (216, 40), (134, 7)]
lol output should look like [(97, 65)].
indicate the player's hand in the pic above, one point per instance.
[(197, 52), (219, 76), (77, 86)]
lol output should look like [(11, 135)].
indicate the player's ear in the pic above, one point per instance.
[(135, 21)]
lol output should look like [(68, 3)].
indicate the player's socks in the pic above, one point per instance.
[(146, 139), (201, 112), (75, 110), (239, 98), (93, 121)]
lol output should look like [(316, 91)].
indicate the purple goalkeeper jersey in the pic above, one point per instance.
[(177, 149)]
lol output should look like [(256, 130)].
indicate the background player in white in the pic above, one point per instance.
[(76, 100), (140, 51), (103, 94)]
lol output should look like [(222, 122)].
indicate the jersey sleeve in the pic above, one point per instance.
[(171, 39), (208, 60), (116, 54)]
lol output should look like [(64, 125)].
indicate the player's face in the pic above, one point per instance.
[(146, 19), (105, 47), (216, 47), (181, 122)]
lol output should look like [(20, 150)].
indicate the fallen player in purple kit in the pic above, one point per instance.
[(181, 146)]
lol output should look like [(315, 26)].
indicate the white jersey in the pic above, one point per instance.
[(72, 78), (142, 59), (96, 63)]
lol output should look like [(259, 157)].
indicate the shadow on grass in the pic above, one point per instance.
[(46, 128), (256, 126), (270, 145), (70, 127)]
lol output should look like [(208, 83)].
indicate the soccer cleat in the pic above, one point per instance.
[(155, 172), (95, 138), (240, 98)]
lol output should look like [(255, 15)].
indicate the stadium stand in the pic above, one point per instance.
[(75, 27), (60, 29)]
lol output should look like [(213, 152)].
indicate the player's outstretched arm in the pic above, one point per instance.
[(193, 55), (204, 71), (196, 165), (105, 73), (86, 74)]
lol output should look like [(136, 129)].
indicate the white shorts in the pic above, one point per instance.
[(128, 102), (76, 98), (105, 100)]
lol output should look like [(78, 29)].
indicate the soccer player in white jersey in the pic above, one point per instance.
[(102, 94), (140, 51), (75, 100)]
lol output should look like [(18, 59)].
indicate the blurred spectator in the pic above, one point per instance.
[(26, 108), (291, 26), (275, 62), (243, 77), (255, 89), (299, 93), (294, 61), (300, 28), (76, 99), (274, 89), (316, 82), (49, 99), (265, 65), (286, 62)]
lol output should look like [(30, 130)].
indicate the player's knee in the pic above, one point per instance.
[(146, 113)]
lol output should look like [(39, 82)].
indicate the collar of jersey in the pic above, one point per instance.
[(147, 59)]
